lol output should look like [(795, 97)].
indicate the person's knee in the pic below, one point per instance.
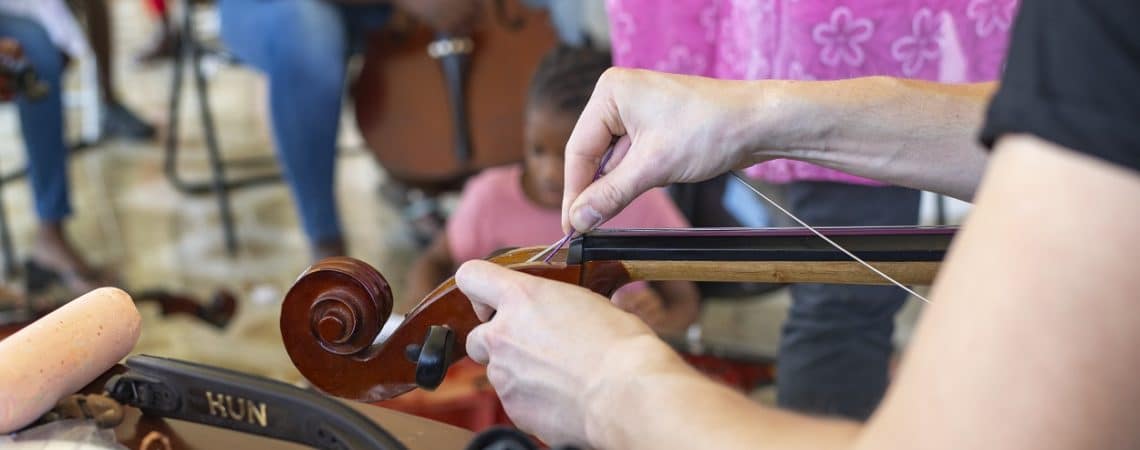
[(314, 53), (306, 65), (36, 46)]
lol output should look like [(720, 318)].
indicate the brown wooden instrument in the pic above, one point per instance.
[(331, 318), (433, 120)]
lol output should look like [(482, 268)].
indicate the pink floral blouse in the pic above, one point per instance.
[(954, 41)]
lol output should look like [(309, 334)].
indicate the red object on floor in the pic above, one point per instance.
[(466, 399), (743, 376)]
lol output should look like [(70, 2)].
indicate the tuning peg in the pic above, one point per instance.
[(433, 357)]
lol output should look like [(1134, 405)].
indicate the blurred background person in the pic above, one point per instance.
[(302, 47), (53, 259), (118, 121)]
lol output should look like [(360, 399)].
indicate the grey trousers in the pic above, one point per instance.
[(836, 346)]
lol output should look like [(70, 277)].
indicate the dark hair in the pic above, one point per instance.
[(565, 78)]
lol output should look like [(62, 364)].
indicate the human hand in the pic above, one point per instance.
[(672, 128), (553, 349), (448, 16), (641, 301), (9, 49)]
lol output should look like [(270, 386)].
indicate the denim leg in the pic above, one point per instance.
[(835, 348), (41, 120), (301, 46), (567, 18)]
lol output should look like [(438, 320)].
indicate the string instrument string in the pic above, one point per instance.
[(825, 238), (548, 253)]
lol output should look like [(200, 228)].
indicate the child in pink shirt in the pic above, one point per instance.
[(519, 205)]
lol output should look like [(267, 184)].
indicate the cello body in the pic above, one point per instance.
[(430, 121)]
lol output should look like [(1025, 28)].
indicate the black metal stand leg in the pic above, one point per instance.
[(6, 239), (170, 163), (221, 189), (191, 51)]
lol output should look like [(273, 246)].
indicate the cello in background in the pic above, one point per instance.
[(435, 109)]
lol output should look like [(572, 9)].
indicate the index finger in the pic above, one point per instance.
[(591, 137), (489, 284)]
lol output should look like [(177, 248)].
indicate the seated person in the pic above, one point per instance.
[(302, 47), (118, 121), (518, 205), (53, 261)]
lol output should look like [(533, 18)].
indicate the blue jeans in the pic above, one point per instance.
[(302, 46), (836, 347), (41, 120)]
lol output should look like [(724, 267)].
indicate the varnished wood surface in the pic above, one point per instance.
[(404, 113), (373, 372), (379, 371), (841, 272)]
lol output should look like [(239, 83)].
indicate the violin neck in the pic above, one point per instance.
[(833, 272), (911, 255)]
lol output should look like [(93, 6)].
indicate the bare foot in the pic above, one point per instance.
[(53, 252)]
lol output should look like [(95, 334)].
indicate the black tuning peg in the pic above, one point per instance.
[(433, 357)]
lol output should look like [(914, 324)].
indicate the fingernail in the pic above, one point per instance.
[(586, 218)]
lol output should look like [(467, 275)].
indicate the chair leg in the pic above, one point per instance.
[(221, 188), (170, 159), (190, 51), (9, 255), (217, 166)]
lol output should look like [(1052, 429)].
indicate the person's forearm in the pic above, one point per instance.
[(905, 132), (666, 404)]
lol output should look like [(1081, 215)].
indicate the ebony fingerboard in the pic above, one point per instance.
[(764, 244)]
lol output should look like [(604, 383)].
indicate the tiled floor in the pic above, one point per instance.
[(131, 219)]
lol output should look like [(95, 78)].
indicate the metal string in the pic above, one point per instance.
[(825, 238), (549, 252)]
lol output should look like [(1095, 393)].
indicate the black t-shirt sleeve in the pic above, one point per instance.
[(1073, 78)]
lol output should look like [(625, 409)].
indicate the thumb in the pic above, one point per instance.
[(605, 198)]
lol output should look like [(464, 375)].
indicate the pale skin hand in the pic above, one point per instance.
[(1029, 343), (676, 128), (538, 374)]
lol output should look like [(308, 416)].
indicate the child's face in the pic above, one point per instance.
[(547, 131)]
